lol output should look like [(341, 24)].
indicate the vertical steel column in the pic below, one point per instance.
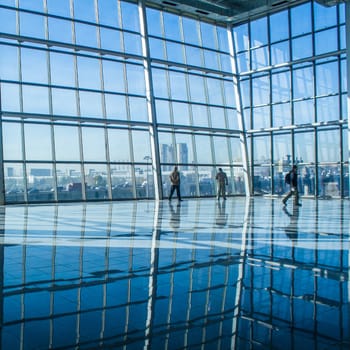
[(158, 193), (238, 98)]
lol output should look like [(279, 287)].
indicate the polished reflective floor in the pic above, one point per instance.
[(240, 274)]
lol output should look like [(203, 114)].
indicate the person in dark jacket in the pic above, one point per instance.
[(175, 183), (293, 187)]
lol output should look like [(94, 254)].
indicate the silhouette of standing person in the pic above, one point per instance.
[(175, 184), (222, 181), (293, 187)]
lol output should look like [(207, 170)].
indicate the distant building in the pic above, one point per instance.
[(167, 155)]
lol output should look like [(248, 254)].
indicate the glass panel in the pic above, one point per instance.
[(175, 52), (197, 89), (329, 180), (326, 41), (94, 144), (162, 111), (64, 102), (69, 182), (40, 182), (110, 39), (184, 149), (84, 10), (130, 16), (62, 69), (135, 74), (262, 150), (279, 26), (32, 25), (206, 177), (203, 147), (324, 16), (306, 179), (304, 112), (119, 150), (35, 99), (66, 143), (12, 141), (305, 147), (261, 90), (301, 19), (229, 94), (144, 181), (232, 118), (9, 67), (238, 186), (241, 37), (281, 115), (153, 21), (211, 59), (223, 39), (207, 33), (14, 182), (113, 76), (138, 109), (167, 150), (221, 150), (302, 47), (258, 32), (217, 117), (10, 97), (60, 30), (160, 86), (215, 91), (303, 83), (243, 62), (236, 150), (96, 181), (262, 180), (115, 107), (178, 86), (141, 145), (282, 150), (260, 58), (121, 178), (261, 117), (171, 26), (108, 12), (280, 53), (132, 43), (90, 104), (345, 146), (89, 73), (156, 47), (8, 21), (327, 108), (343, 75), (181, 113), (328, 146), (281, 87), (37, 140), (85, 35), (327, 79), (190, 28)]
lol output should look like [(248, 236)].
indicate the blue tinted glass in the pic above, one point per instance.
[(84, 10), (35, 5), (326, 41), (279, 28), (153, 22), (258, 32), (301, 19), (327, 79), (108, 12), (241, 37), (171, 26), (9, 69), (190, 28), (260, 58), (302, 47), (327, 109), (324, 16), (32, 25), (130, 16), (59, 8), (280, 53)]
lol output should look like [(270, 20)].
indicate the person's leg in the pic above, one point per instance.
[(289, 194), (172, 189), (178, 192), (219, 190)]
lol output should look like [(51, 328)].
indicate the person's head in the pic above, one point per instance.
[(295, 168), (220, 169), (175, 168)]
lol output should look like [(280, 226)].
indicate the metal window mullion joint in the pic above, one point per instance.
[(240, 117), (157, 180)]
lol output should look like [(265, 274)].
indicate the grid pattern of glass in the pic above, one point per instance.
[(292, 68), (93, 109)]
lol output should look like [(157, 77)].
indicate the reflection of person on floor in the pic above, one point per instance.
[(221, 217), (291, 229), (175, 216)]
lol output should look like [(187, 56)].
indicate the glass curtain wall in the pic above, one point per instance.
[(75, 118), (292, 68)]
